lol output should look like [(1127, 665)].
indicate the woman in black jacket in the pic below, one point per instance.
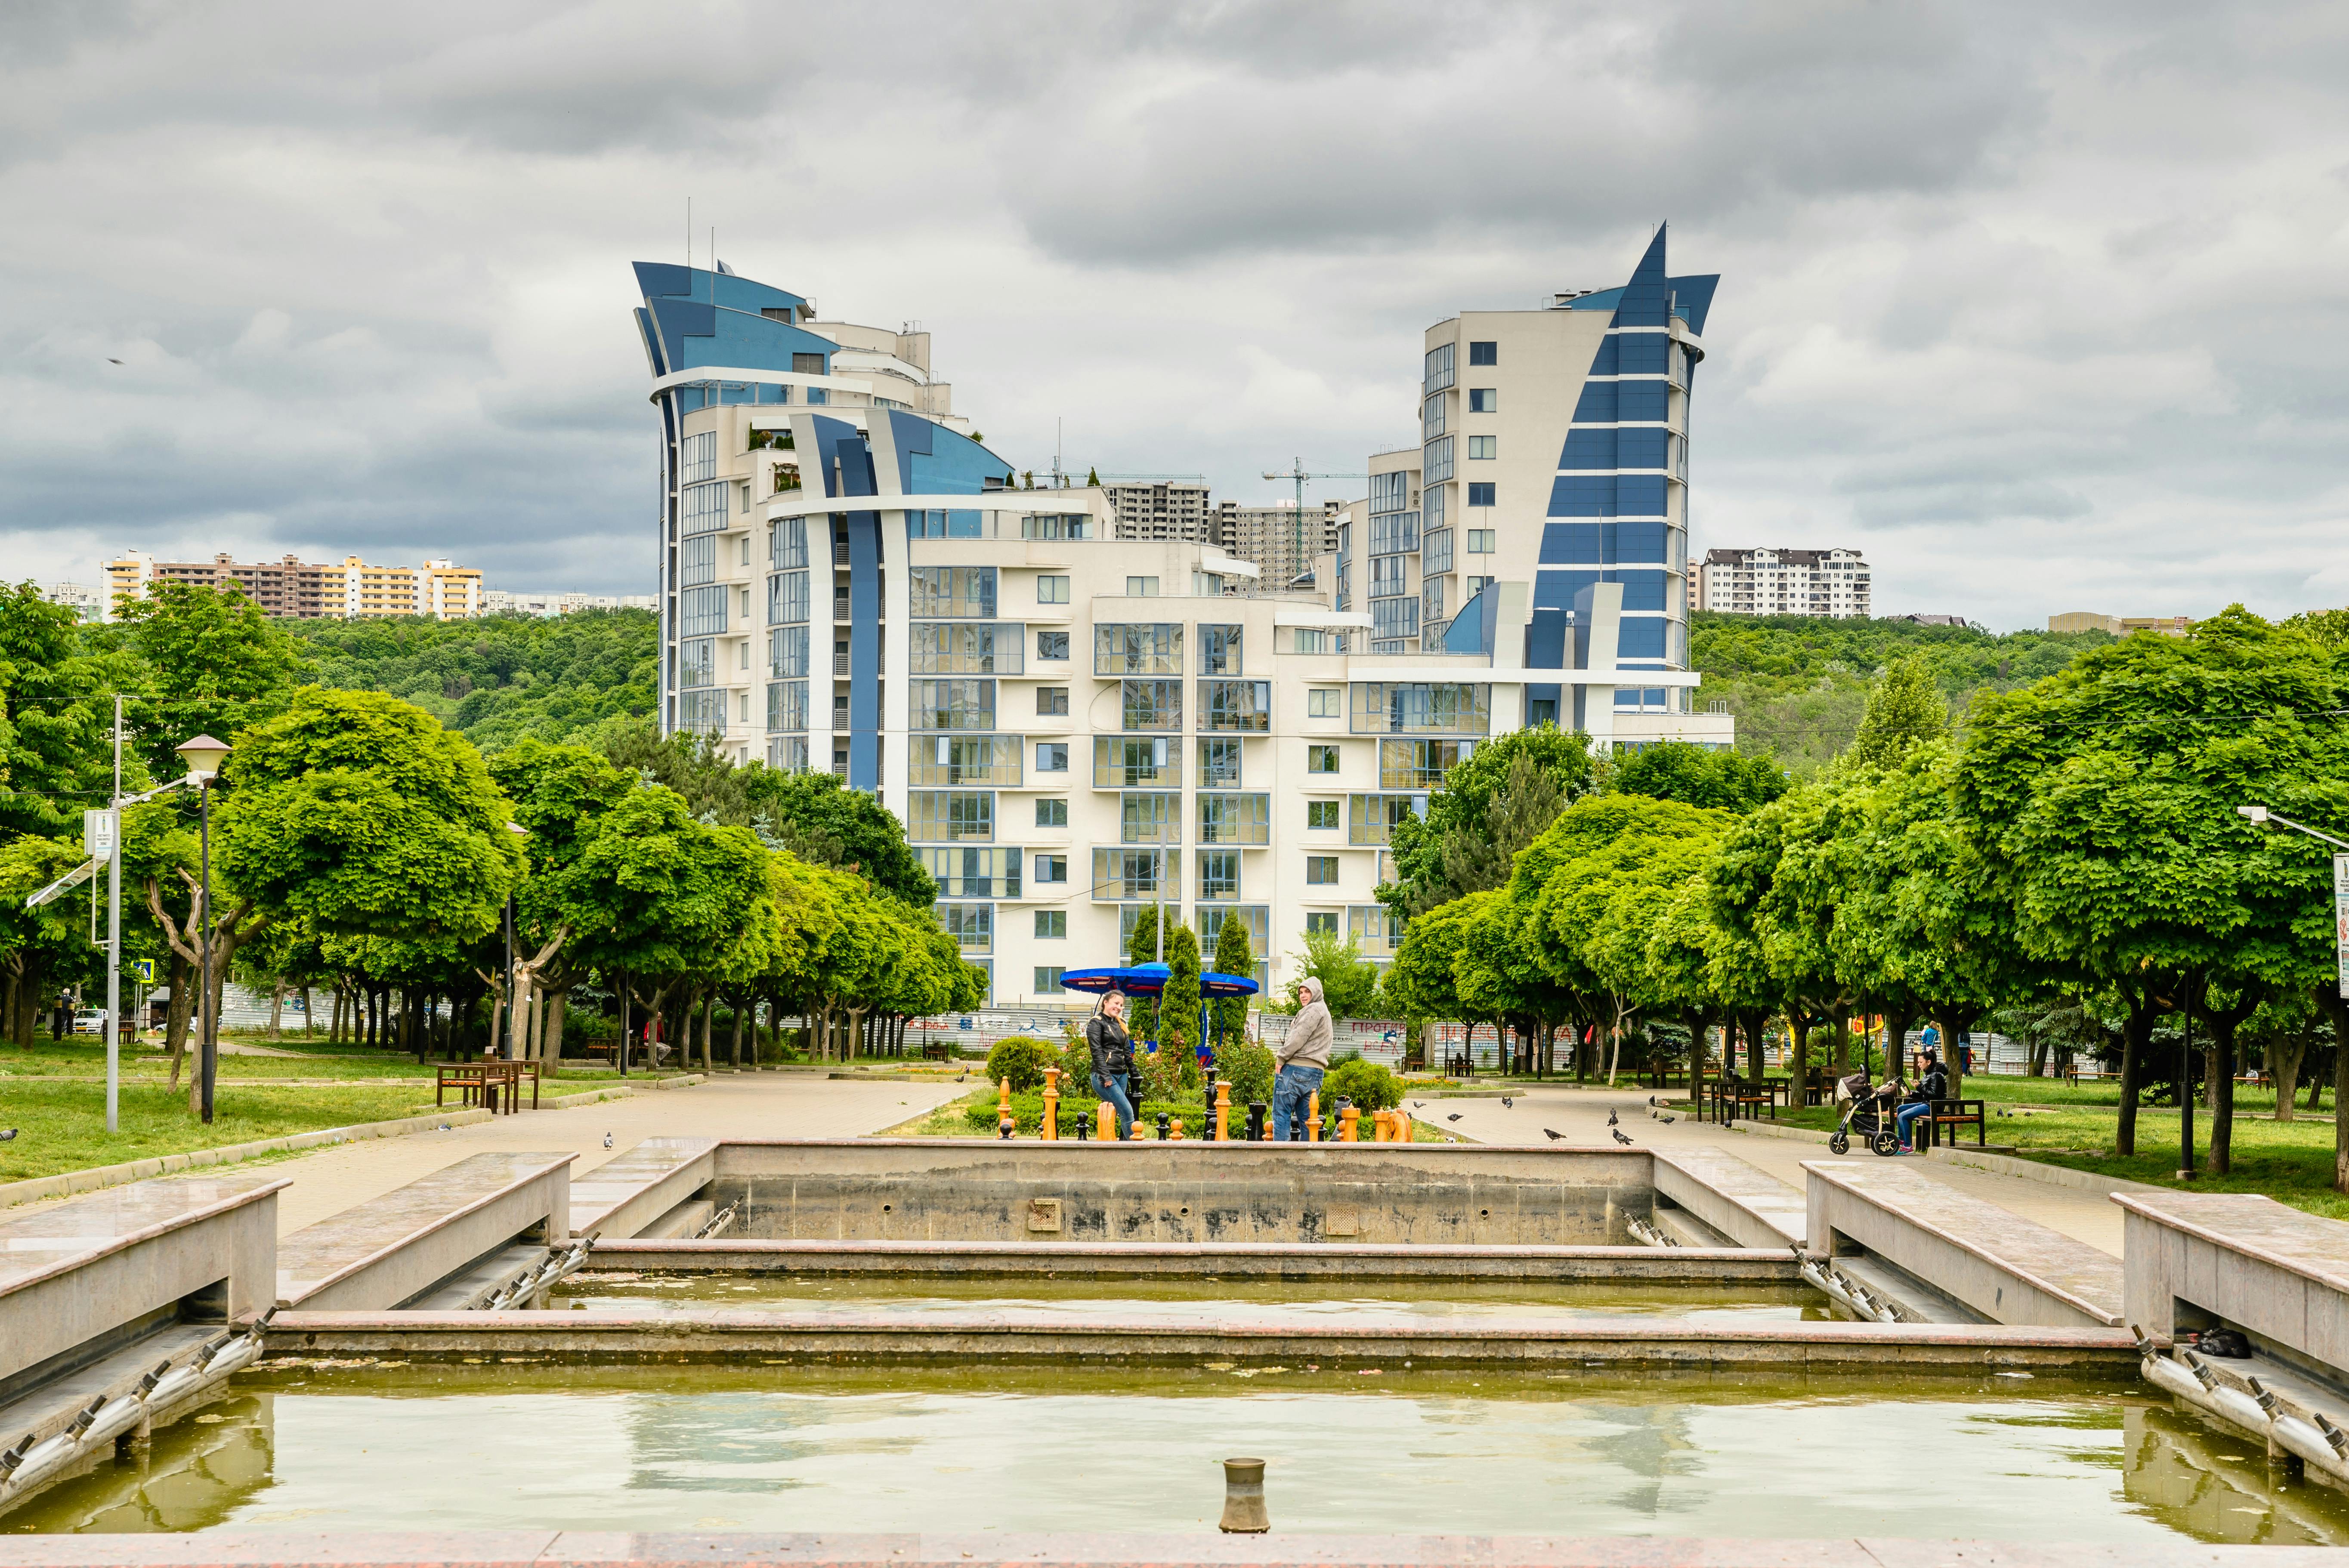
[(1935, 1085), (1112, 1051)]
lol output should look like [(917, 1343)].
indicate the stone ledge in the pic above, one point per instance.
[(2033, 1171)]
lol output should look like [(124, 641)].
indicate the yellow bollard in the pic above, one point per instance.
[(1348, 1121), (1105, 1122), (1174, 1133), (1401, 1125), (1313, 1117), (1223, 1111), (1003, 1123), (1052, 1124)]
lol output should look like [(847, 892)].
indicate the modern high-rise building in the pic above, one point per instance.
[(1552, 452), (1269, 536), (1074, 727), (1830, 583), (1162, 506), (300, 590)]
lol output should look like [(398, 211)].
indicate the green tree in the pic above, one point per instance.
[(1423, 982), (561, 795), (1235, 955), (1904, 711), (1696, 775), (56, 754), (38, 946), (1349, 982), (1460, 822), (216, 663), (819, 819)]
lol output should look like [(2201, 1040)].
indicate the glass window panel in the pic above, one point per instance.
[(701, 612), (972, 872), (965, 647), (972, 925), (787, 705), (1234, 819), (787, 653), (1124, 763), (964, 759), (697, 662), (705, 508), (958, 591), (1372, 819), (1153, 705), (787, 544), (1149, 818), (1219, 763), (696, 561), (1219, 650), (1151, 648), (950, 705), (1123, 873), (935, 815), (1442, 706), (1419, 764), (698, 457), (1244, 706), (1219, 874)]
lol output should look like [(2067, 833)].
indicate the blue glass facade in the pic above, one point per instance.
[(1621, 462)]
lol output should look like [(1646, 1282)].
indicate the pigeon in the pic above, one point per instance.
[(1610, 1119), (1454, 1116), (1554, 1137), (607, 1140), (1419, 1104), (1668, 1120), (112, 360), (1617, 1136), (6, 1133), (1508, 1104)]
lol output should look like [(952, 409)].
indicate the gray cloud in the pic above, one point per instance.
[(2042, 307)]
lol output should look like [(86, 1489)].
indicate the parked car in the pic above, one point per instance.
[(90, 1021)]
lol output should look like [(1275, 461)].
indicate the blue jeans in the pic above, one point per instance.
[(1118, 1089), (1292, 1090), (1905, 1117)]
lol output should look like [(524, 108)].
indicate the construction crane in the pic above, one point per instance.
[(1295, 472)]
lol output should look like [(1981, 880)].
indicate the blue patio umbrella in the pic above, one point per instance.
[(1150, 980)]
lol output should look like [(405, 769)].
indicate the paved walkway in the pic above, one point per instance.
[(748, 1105), (1581, 1115)]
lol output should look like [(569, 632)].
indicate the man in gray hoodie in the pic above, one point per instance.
[(1303, 1056)]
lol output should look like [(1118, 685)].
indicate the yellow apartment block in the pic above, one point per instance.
[(300, 590)]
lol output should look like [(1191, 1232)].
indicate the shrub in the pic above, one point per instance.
[(1370, 1085), (1020, 1059), (1077, 1066), (1248, 1067)]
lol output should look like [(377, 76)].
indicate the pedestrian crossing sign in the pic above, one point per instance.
[(143, 970)]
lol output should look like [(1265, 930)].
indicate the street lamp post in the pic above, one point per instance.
[(204, 756)]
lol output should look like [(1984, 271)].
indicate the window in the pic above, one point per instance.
[(1432, 505), (1234, 819), (1320, 871), (1438, 373), (1153, 705), (698, 457), (1151, 818), (1437, 558), (1375, 930), (787, 653), (1481, 494), (787, 544), (705, 508), (1133, 873), (1430, 597), (972, 925), (1219, 650), (1376, 817), (1319, 814), (1056, 525), (1484, 401), (1325, 702), (1219, 874), (1052, 813), (1047, 977), (950, 705), (807, 364), (1480, 540), (696, 663), (1312, 640), (1390, 493), (1219, 763), (952, 591), (964, 759), (1320, 759), (1483, 354), (787, 706), (972, 872), (1052, 868), (1394, 534), (1138, 648), (1436, 461), (1431, 418), (1051, 924), (1419, 764), (1245, 706), (787, 597), (1442, 706), (1393, 618), (951, 524), (1051, 702), (701, 612), (933, 815), (1051, 645), (1141, 587), (702, 711), (696, 561), (1122, 764), (1482, 448), (964, 647), (1387, 576), (1052, 756), (1256, 919), (1052, 590), (1325, 921)]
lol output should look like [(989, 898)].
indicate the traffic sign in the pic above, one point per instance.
[(143, 970)]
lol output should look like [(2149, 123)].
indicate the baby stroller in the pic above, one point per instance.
[(1868, 1111)]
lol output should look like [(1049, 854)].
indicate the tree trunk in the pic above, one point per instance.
[(557, 1006), (1754, 1020), (737, 1054), (175, 1018), (1897, 1020), (1798, 1054), (276, 1006), (2223, 1025), (856, 1032), (2284, 1057)]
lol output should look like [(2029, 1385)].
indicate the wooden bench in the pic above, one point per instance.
[(936, 1051), (491, 1083), (1954, 1114), (1460, 1065)]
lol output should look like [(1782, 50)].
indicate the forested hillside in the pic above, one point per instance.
[(502, 677), (1799, 684)]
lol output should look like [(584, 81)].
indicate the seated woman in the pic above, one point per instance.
[(1935, 1085)]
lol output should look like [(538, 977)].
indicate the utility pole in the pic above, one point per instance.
[(114, 932)]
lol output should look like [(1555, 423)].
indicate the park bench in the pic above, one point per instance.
[(1954, 1114), (936, 1051), (1459, 1065), (491, 1083)]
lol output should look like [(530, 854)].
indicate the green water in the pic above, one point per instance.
[(1199, 1299), (319, 1446)]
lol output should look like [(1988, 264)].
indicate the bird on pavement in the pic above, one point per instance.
[(607, 1140), (1419, 1104), (1618, 1137), (1454, 1116), (1667, 1120), (1554, 1137), (1508, 1104), (1610, 1119)]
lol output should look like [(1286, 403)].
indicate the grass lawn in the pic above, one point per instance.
[(85, 1059), (61, 1124)]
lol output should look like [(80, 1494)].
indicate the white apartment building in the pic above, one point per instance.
[(87, 603), (1162, 506), (501, 601), (1763, 581)]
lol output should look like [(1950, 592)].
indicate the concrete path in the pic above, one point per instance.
[(748, 1105), (1581, 1115)]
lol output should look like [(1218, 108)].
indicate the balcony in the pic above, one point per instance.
[(840, 666)]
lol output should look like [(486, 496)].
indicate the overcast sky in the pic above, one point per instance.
[(2043, 306)]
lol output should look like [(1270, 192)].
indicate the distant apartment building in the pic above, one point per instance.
[(87, 603), (295, 589), (499, 602), (1268, 537), (1162, 506), (2120, 625), (1764, 581)]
